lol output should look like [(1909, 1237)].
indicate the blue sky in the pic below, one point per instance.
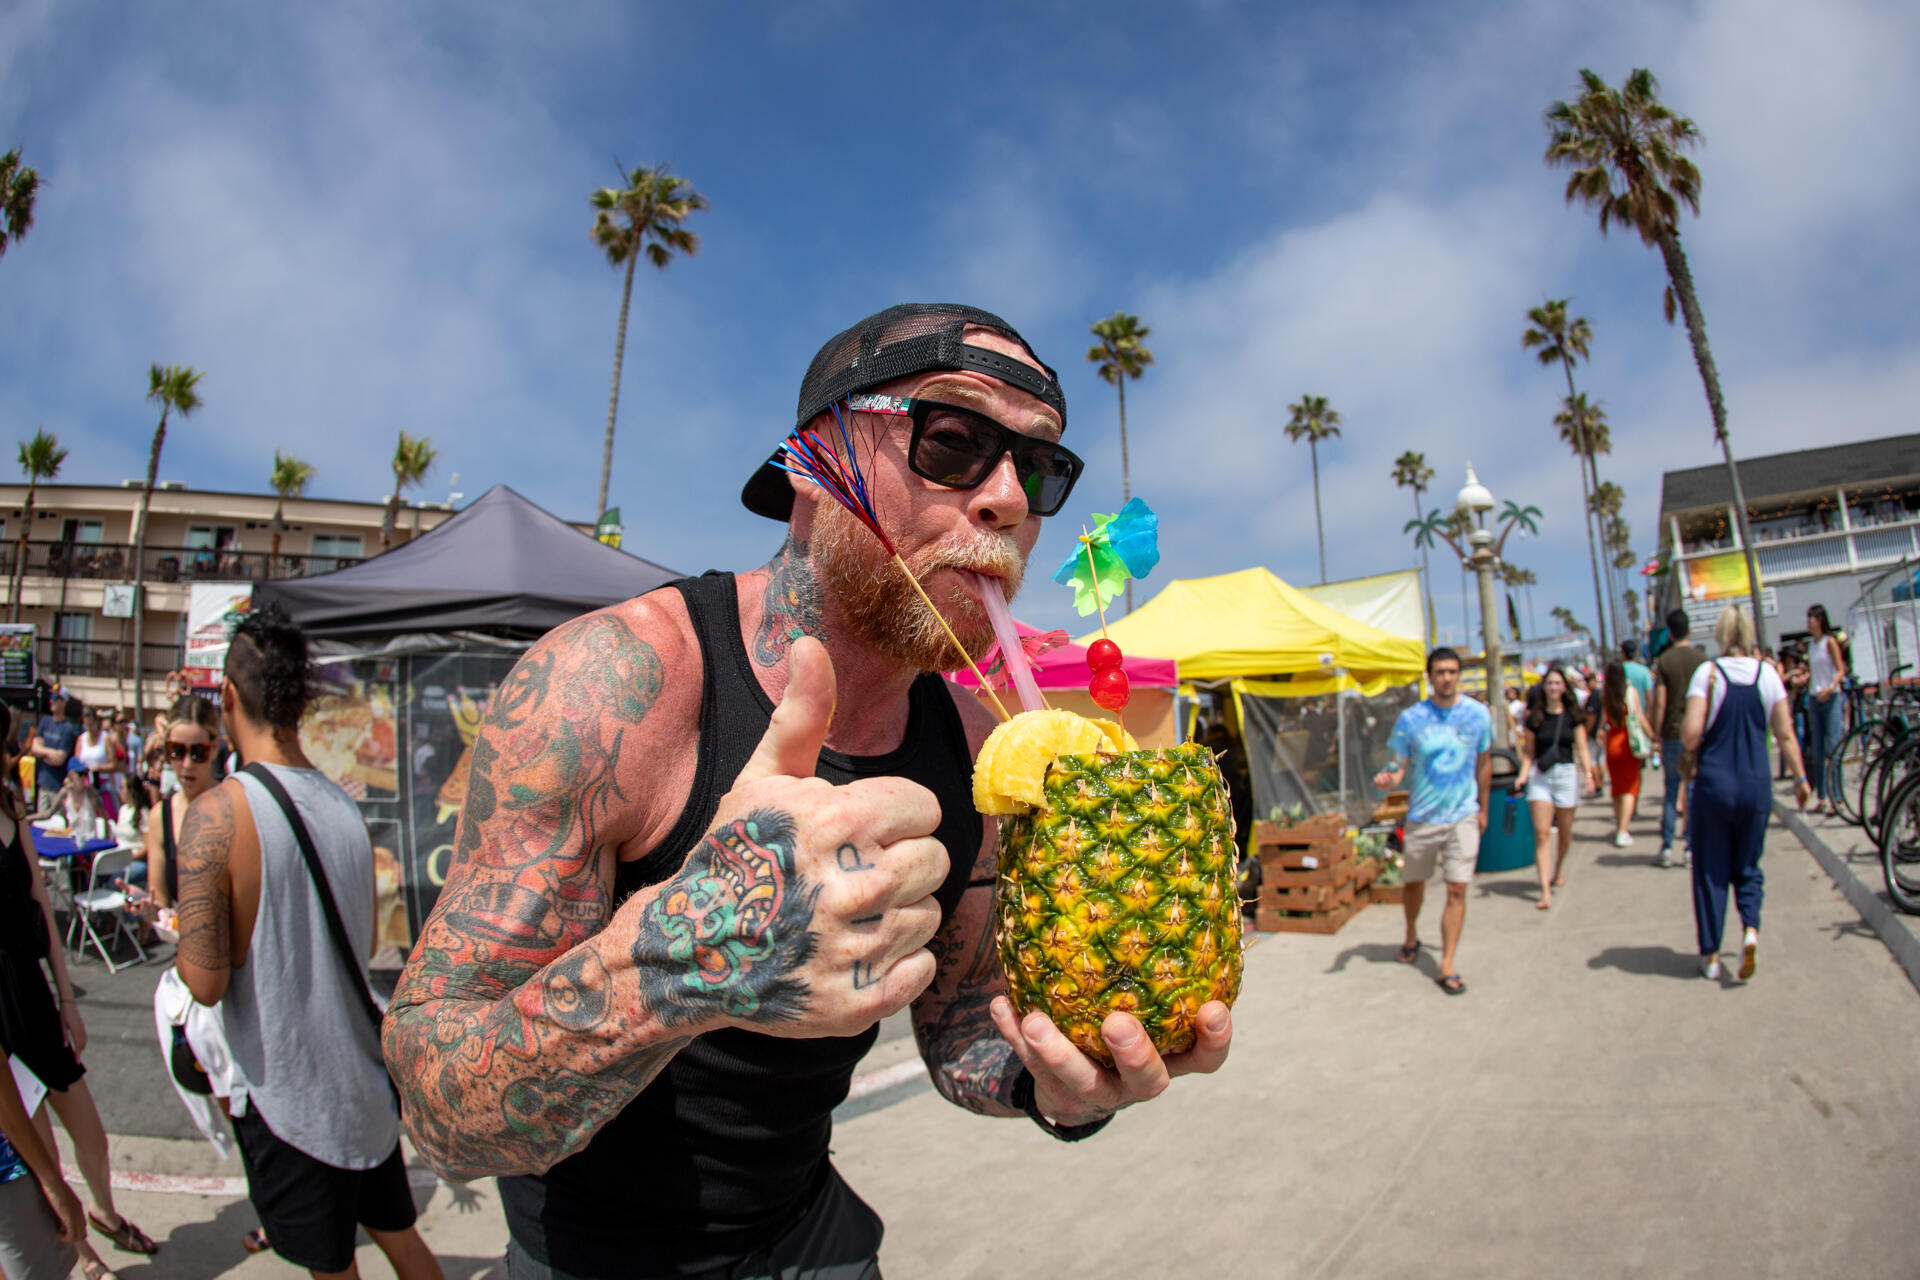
[(358, 218)]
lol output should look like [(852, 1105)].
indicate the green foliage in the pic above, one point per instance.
[(1121, 351), (1625, 150), (41, 457), (290, 475), (1312, 420), (19, 188), (646, 216)]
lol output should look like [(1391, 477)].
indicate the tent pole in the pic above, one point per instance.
[(1340, 705)]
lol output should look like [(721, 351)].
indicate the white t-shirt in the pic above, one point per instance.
[(1740, 671)]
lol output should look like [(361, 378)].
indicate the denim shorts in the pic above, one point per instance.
[(1559, 785)]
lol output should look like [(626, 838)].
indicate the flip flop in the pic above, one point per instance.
[(1408, 954), (1452, 983), (126, 1236), (255, 1241)]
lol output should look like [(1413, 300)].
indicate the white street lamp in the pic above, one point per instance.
[(1475, 500)]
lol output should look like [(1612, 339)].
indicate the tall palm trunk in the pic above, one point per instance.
[(613, 398), (273, 550), (1682, 278), (1582, 457), (1426, 572), (1313, 449), (140, 570), (1602, 522), (20, 561), (1126, 475)]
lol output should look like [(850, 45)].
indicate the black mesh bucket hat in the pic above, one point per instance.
[(914, 337)]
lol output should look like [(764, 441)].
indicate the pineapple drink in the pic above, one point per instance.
[(1117, 887)]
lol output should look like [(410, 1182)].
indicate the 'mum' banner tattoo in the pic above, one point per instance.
[(737, 922)]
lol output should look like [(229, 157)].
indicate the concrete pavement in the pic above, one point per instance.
[(1591, 1107)]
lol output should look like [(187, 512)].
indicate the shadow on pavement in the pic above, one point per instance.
[(193, 1249), (1649, 962), (1525, 889), (1384, 953), (1626, 859)]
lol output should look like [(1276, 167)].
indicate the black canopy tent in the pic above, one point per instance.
[(502, 566), (413, 643)]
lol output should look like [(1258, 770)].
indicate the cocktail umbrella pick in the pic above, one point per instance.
[(832, 461)]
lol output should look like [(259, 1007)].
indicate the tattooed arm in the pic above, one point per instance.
[(533, 1009), (208, 838)]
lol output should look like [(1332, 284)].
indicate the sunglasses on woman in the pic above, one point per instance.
[(198, 752), (959, 448)]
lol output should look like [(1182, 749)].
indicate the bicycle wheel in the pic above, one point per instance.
[(1900, 845), (1856, 751), (1878, 780)]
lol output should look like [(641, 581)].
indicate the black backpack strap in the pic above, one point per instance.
[(335, 927)]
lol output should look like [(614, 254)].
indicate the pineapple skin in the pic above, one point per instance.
[(1121, 894)]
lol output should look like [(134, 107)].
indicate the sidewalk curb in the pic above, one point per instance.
[(1881, 918)]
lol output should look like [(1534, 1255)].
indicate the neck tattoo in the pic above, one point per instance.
[(790, 607)]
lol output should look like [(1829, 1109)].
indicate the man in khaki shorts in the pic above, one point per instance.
[(1443, 742)]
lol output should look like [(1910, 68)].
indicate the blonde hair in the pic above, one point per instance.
[(1733, 631)]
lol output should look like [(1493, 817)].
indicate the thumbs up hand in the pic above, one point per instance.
[(807, 909)]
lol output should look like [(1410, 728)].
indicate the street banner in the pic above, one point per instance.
[(16, 654), (1722, 577), (213, 610)]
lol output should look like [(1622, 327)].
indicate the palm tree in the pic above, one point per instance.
[(19, 186), (1120, 354), (1624, 147), (1564, 616), (411, 458), (1514, 576), (1562, 341), (176, 388), (289, 480), (1313, 422), (40, 459), (1583, 428), (643, 217), (1410, 471), (1606, 502)]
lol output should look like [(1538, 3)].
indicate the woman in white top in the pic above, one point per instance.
[(1826, 668), (1730, 703)]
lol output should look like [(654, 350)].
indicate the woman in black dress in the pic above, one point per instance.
[(46, 1033)]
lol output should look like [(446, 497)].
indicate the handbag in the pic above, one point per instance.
[(1637, 740), (336, 929)]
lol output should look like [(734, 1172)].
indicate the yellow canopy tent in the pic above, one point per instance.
[(1252, 624), (1293, 664)]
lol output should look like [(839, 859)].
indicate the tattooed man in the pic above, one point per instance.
[(713, 835)]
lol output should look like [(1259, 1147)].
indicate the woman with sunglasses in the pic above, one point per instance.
[(192, 732)]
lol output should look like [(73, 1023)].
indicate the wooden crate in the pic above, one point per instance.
[(1325, 826), (1391, 809), (1298, 857), (1365, 872), (1386, 893), (1311, 897), (1280, 877), (1270, 920)]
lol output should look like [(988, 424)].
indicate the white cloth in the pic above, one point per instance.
[(1558, 785), (1821, 670), (173, 1006), (1740, 671)]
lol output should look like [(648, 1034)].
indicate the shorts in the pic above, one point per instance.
[(30, 1245), (1558, 786), (308, 1208), (1455, 846)]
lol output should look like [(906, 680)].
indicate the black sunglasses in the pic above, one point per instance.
[(199, 752), (959, 448)]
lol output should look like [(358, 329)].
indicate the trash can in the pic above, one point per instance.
[(1507, 843)]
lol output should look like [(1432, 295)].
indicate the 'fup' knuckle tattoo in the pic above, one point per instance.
[(733, 930)]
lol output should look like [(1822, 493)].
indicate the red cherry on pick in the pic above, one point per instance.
[(1103, 655), (1109, 688)]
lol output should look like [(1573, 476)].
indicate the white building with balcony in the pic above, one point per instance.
[(1824, 521)]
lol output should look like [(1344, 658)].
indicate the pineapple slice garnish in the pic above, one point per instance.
[(1011, 772)]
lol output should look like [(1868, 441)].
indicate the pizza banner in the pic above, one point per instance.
[(396, 731)]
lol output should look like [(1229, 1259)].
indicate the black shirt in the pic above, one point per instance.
[(1554, 737), (728, 1146)]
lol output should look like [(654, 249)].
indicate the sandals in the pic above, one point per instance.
[(126, 1236), (1452, 983), (1410, 952), (255, 1241)]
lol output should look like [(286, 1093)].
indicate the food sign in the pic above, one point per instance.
[(213, 610)]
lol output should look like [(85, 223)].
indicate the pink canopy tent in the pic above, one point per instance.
[(1066, 668)]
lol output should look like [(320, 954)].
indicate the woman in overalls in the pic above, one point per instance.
[(1730, 703)]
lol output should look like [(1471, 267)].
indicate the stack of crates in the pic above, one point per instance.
[(1310, 880)]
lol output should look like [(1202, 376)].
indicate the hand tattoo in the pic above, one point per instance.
[(791, 606), (735, 923)]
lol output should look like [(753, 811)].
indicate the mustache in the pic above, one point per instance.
[(995, 554)]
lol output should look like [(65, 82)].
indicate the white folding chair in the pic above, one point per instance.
[(110, 901)]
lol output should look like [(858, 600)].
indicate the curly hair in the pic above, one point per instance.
[(270, 667)]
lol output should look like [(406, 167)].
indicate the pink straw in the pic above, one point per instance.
[(1011, 650)]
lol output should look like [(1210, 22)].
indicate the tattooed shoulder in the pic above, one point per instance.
[(790, 605)]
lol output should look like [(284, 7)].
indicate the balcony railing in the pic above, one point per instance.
[(113, 562), (106, 659), (1778, 559)]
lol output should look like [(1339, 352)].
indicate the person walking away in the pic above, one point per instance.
[(1625, 727), (1730, 703), (1826, 670), (1442, 745), (319, 1132), (52, 745), (46, 1033), (1640, 676), (1673, 675), (40, 1222), (1555, 769)]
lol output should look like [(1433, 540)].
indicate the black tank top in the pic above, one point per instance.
[(728, 1146)]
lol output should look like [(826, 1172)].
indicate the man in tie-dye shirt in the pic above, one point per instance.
[(1443, 743)]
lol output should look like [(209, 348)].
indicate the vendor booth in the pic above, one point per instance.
[(1310, 691), (413, 643), (1062, 674)]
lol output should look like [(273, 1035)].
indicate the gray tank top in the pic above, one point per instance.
[(300, 1036)]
